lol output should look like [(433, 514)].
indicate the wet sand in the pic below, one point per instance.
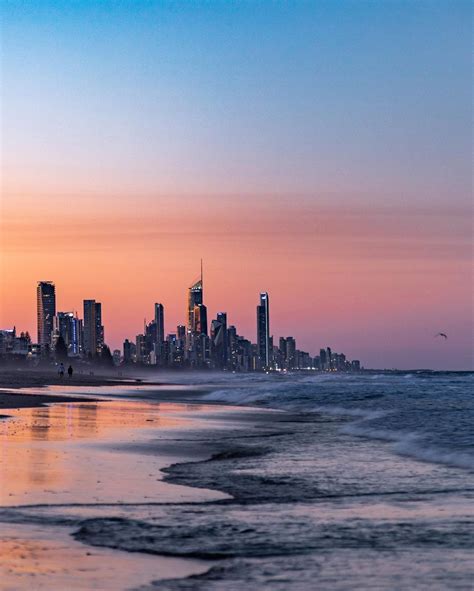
[(32, 559), (25, 377), (23, 400), (14, 385), (78, 459)]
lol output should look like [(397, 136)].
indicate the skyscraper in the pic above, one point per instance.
[(323, 359), (222, 318), (99, 328), (69, 327), (329, 358), (90, 343), (195, 298), (219, 340), (197, 323), (128, 348), (160, 323), (93, 328), (46, 311), (200, 319), (290, 352), (263, 331)]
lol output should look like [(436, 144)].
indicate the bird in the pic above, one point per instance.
[(441, 334)]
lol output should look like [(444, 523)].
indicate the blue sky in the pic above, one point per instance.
[(245, 96)]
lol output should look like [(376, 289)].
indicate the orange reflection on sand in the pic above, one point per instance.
[(65, 452), (83, 420), (32, 558)]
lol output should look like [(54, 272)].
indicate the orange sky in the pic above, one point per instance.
[(359, 278)]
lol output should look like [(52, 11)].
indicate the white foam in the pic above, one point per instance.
[(412, 445)]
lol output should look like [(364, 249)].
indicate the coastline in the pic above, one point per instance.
[(249, 492), (15, 383), (25, 377), (79, 448)]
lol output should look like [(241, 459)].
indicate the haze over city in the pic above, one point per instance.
[(139, 137)]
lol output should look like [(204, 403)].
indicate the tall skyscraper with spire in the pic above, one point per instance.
[(46, 311), (197, 344), (195, 299), (263, 331)]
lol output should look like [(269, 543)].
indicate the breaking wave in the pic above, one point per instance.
[(424, 415)]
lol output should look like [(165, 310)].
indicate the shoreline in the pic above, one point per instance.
[(301, 473), (13, 381), (34, 535), (9, 401), (17, 378)]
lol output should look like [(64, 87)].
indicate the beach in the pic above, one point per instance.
[(66, 457), (46, 463), (212, 482)]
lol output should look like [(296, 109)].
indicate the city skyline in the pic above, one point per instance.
[(62, 335), (196, 311)]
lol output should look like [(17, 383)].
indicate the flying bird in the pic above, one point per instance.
[(441, 334)]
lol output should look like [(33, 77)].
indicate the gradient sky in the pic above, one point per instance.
[(317, 150)]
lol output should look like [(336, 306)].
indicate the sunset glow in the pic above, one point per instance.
[(236, 141)]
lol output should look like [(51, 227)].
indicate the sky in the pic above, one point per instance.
[(317, 150)]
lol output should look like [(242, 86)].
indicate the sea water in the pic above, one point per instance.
[(364, 481), (357, 481)]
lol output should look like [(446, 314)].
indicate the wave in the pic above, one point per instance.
[(365, 414), (227, 536), (398, 398), (412, 445)]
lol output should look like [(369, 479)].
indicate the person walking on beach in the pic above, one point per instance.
[(70, 371), (61, 370)]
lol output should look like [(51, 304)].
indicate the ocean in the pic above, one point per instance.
[(364, 482), (356, 481)]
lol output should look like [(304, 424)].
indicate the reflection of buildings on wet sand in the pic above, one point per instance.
[(42, 449)]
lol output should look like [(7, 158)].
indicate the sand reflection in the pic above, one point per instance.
[(30, 558), (74, 453)]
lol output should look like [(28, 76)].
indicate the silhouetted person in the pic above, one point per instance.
[(61, 370), (70, 371)]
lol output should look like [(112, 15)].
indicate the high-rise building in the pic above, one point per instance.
[(195, 298), (290, 353), (7, 340), (263, 332), (128, 351), (46, 311), (160, 323), (232, 344), (69, 327), (195, 351), (93, 332), (323, 359), (89, 335), (99, 328), (140, 352), (200, 319), (355, 365), (329, 362), (219, 340), (150, 339), (172, 350)]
